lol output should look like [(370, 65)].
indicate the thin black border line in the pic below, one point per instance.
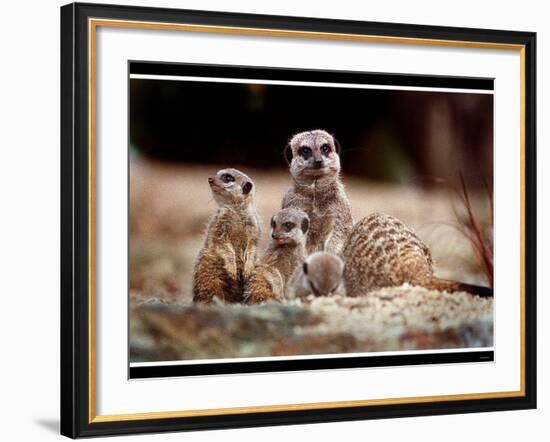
[(142, 67), (74, 221)]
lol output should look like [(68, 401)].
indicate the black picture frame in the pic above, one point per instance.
[(77, 405)]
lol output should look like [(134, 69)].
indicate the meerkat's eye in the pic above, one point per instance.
[(227, 178), (305, 151), (288, 226), (325, 149)]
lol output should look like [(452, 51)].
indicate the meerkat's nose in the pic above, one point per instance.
[(318, 163), (210, 180)]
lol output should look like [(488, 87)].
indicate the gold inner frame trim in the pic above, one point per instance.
[(92, 28)]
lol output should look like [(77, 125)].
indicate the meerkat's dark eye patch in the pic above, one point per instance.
[(325, 149), (247, 187), (305, 268), (228, 178), (305, 152), (273, 223), (289, 226), (305, 225)]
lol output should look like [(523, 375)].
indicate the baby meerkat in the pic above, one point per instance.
[(229, 252), (321, 274), (383, 252), (276, 271), (318, 190)]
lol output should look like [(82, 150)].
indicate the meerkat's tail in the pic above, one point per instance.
[(453, 286)]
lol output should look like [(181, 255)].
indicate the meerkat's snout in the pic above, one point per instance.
[(318, 164)]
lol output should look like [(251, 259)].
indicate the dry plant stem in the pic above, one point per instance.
[(471, 229)]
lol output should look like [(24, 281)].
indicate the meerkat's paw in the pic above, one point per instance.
[(227, 252), (249, 260), (264, 286)]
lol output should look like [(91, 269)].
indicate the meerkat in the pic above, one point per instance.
[(276, 270), (321, 275), (229, 252), (382, 252), (314, 162)]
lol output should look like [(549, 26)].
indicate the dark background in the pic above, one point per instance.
[(398, 136)]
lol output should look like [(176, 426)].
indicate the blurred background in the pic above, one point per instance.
[(403, 153), (394, 136)]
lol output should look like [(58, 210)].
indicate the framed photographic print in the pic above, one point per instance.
[(274, 220)]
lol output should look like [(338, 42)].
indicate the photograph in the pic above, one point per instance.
[(279, 214)]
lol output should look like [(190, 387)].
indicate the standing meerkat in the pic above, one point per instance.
[(275, 273), (229, 252), (383, 252), (318, 190), (321, 274)]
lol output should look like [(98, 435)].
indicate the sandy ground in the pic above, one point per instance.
[(169, 209)]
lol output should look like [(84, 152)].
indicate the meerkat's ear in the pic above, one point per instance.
[(337, 146), (288, 154), (305, 225), (305, 267), (247, 187)]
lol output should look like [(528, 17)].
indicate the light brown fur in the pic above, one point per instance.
[(318, 190), (382, 252), (320, 275), (276, 271), (229, 252)]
